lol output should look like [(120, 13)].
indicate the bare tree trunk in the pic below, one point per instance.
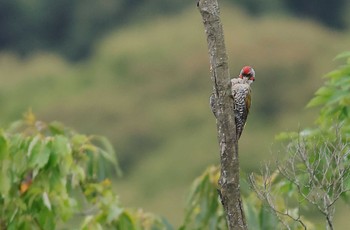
[(226, 127)]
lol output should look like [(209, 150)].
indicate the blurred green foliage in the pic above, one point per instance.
[(50, 175), (334, 98), (204, 209), (315, 171)]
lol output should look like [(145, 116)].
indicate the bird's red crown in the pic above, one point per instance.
[(247, 71)]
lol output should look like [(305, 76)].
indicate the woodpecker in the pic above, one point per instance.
[(241, 95)]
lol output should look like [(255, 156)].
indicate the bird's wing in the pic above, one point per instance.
[(248, 102)]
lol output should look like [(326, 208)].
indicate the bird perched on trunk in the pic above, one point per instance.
[(241, 95)]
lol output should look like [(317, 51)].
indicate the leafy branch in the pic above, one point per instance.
[(316, 169), (50, 174)]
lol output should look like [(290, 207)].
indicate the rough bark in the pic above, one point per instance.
[(226, 127)]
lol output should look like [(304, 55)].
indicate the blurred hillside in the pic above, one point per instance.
[(72, 27), (146, 88)]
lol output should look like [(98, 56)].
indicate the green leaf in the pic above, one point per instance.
[(113, 213), (46, 201), (79, 140), (108, 153), (61, 146), (125, 221), (56, 128), (91, 223), (267, 219), (284, 187), (316, 101), (46, 219), (166, 224), (343, 83), (344, 113), (5, 182), (60, 152), (78, 175), (337, 97), (33, 145), (346, 197), (283, 136), (251, 215), (345, 54), (3, 147), (40, 154), (347, 183), (325, 91)]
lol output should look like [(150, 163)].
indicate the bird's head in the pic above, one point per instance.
[(247, 73)]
